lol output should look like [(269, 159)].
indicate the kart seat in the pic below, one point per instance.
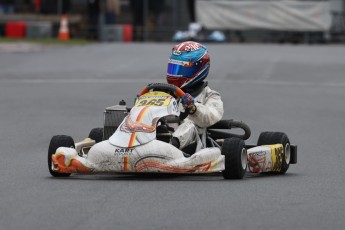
[(163, 134), (189, 149)]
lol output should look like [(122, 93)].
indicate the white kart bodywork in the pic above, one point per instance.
[(139, 127), (134, 148)]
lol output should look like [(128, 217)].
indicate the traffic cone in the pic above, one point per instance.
[(63, 31)]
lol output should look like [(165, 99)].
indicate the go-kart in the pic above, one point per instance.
[(137, 140)]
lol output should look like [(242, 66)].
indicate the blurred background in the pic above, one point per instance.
[(285, 21), (265, 80)]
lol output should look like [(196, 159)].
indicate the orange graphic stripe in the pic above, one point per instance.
[(140, 116), (75, 166), (151, 164), (125, 163), (132, 139)]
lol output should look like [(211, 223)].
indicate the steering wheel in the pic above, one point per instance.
[(165, 87)]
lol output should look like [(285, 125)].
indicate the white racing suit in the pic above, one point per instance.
[(209, 111)]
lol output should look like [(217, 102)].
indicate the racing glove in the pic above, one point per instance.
[(188, 103)]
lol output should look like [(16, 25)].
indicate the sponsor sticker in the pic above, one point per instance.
[(176, 52), (192, 46), (178, 62), (259, 153), (277, 157)]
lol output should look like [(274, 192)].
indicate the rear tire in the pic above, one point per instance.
[(271, 138), (55, 143), (235, 158), (96, 134)]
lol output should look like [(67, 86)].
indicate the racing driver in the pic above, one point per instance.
[(188, 67)]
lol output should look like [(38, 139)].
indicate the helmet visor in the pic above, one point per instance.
[(180, 70)]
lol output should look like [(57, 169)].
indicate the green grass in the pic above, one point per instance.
[(47, 41)]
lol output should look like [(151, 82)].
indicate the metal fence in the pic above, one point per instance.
[(337, 32), (150, 21)]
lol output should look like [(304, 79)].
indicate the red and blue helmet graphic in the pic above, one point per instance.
[(188, 64)]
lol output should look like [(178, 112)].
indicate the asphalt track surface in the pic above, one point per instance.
[(299, 90)]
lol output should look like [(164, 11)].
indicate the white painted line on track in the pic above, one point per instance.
[(286, 83), (76, 80), (124, 81), (19, 47)]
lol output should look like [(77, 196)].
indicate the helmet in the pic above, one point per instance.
[(188, 64)]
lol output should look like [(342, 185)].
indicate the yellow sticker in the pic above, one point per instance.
[(154, 98), (277, 153)]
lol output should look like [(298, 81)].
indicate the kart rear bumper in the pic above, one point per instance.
[(293, 153)]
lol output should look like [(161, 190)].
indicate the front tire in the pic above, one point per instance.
[(55, 143), (236, 159), (96, 134), (271, 138)]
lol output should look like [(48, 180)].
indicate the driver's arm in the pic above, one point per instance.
[(209, 113)]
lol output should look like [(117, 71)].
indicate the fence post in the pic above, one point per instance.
[(145, 16)]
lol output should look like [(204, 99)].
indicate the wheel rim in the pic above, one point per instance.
[(244, 158), (287, 153), (52, 167)]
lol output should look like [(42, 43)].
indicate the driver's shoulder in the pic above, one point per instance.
[(210, 92)]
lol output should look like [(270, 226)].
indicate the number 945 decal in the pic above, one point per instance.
[(153, 101)]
